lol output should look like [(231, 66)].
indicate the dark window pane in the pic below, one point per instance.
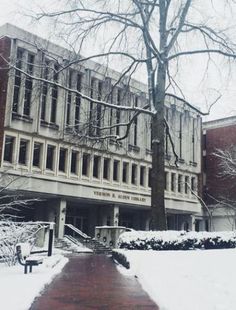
[(173, 176), (125, 172), (62, 159), (37, 154), (8, 148), (186, 185), (106, 168), (142, 175), (116, 170), (149, 177), (50, 157), (134, 174), (96, 166), (23, 152), (85, 167), (73, 168)]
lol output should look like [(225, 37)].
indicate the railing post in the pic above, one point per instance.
[(50, 240)]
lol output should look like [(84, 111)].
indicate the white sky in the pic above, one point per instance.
[(196, 89)]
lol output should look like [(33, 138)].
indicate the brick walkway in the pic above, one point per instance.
[(93, 282)]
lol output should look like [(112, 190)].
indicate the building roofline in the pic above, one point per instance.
[(221, 122)]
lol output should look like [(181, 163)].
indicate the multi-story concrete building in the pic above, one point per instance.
[(78, 181), (219, 190)]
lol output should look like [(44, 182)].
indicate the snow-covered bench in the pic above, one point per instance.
[(24, 258)]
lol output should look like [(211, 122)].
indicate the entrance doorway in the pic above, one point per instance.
[(80, 222)]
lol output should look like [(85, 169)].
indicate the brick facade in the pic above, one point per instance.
[(218, 135), (5, 46)]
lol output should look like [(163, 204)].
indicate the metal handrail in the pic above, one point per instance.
[(77, 231)]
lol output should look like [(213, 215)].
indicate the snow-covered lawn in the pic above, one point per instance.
[(186, 280), (18, 290)]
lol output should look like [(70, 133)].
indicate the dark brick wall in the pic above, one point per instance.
[(216, 185), (5, 46)]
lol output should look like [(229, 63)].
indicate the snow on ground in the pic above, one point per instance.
[(18, 290), (186, 280)]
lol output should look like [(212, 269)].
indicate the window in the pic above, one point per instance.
[(173, 179), (78, 100), (18, 80), (118, 102), (180, 183), (69, 99), (28, 85), (37, 154), (9, 148), (142, 175), (135, 124), (22, 159), (54, 96), (62, 159), (44, 92), (125, 172), (116, 166), (149, 177), (86, 164), (73, 166), (186, 185), (180, 135), (106, 168), (91, 108), (193, 141), (99, 109), (193, 184), (134, 174), (96, 166), (50, 157)]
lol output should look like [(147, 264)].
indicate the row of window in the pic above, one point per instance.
[(102, 167), (49, 94), (180, 183)]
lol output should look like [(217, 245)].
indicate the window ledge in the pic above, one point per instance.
[(193, 163), (134, 148), (181, 161), (24, 118), (148, 152), (49, 125)]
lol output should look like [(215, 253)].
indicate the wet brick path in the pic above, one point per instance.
[(93, 282)]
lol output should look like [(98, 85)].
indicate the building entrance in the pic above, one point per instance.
[(80, 222)]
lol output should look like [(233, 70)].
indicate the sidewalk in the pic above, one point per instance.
[(93, 282)]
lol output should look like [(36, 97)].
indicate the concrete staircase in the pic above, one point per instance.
[(70, 244), (74, 245), (98, 247)]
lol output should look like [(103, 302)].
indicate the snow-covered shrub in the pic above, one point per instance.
[(176, 240), (121, 259), (12, 233)]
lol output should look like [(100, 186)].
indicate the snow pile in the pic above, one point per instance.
[(18, 290), (176, 240), (186, 280)]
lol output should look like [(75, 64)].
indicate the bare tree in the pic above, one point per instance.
[(152, 34), (226, 161)]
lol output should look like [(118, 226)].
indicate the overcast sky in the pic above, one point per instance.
[(197, 89)]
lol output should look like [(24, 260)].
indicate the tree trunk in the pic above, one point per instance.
[(158, 218), (158, 155)]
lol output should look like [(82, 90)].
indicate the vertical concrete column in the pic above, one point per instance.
[(60, 218), (115, 215), (147, 222), (192, 222)]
